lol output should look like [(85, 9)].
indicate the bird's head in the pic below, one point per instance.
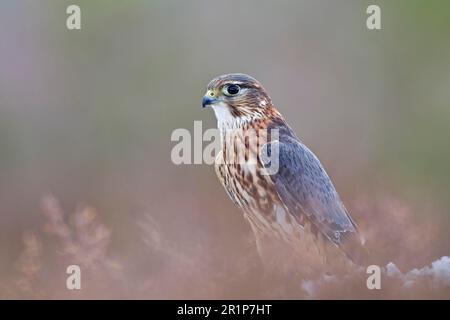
[(237, 98)]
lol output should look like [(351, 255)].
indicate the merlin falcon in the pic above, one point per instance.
[(295, 205)]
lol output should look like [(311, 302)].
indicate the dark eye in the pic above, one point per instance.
[(232, 89)]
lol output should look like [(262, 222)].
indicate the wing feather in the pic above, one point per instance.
[(305, 188)]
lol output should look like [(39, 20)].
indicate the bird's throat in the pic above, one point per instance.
[(225, 119), (228, 119)]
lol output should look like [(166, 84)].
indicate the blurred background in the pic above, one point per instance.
[(86, 118)]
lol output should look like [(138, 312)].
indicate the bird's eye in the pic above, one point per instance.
[(232, 89)]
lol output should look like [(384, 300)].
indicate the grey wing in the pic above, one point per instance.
[(306, 190)]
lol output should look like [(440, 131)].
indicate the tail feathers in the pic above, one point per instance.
[(354, 247)]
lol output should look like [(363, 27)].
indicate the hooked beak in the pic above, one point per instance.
[(208, 100)]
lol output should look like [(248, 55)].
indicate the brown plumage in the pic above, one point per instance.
[(294, 207)]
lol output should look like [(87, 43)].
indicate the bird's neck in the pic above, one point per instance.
[(228, 120), (243, 137)]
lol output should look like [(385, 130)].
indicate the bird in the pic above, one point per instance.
[(295, 206)]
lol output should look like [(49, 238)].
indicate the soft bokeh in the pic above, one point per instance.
[(86, 118)]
